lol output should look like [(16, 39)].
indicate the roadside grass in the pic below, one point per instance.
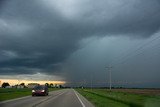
[(100, 101), (6, 94), (11, 93), (105, 98)]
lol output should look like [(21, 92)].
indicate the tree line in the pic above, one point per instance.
[(51, 85)]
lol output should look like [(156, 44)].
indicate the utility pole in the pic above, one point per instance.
[(91, 82), (110, 76)]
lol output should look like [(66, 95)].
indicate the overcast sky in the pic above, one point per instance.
[(74, 40)]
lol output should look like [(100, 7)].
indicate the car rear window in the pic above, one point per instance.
[(39, 87)]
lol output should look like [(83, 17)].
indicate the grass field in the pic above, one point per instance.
[(121, 98), (6, 94)]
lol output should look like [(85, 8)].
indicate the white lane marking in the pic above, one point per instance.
[(52, 97), (79, 99), (58, 94)]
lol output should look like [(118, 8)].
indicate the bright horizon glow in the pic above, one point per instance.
[(14, 82)]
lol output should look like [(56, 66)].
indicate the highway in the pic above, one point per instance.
[(60, 98)]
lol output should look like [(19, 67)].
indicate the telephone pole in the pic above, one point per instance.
[(91, 82), (110, 76)]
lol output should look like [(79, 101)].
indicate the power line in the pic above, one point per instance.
[(139, 49), (124, 61)]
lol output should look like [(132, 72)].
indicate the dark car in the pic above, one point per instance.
[(40, 90)]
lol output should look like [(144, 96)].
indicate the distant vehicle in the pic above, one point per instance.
[(40, 90)]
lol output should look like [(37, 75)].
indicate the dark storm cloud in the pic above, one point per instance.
[(2, 2), (42, 34)]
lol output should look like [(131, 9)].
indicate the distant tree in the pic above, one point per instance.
[(51, 85), (5, 84), (47, 84), (23, 84), (60, 86)]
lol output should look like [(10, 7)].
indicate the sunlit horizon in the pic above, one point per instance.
[(13, 82)]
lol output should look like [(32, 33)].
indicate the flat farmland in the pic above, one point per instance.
[(122, 97), (139, 91)]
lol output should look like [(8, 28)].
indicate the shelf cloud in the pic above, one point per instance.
[(46, 36)]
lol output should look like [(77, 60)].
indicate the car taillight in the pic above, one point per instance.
[(42, 91)]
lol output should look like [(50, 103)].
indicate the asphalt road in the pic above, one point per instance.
[(60, 98)]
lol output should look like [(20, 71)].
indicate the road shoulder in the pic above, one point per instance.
[(85, 102)]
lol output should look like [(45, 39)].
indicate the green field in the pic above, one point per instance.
[(105, 98), (6, 94)]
